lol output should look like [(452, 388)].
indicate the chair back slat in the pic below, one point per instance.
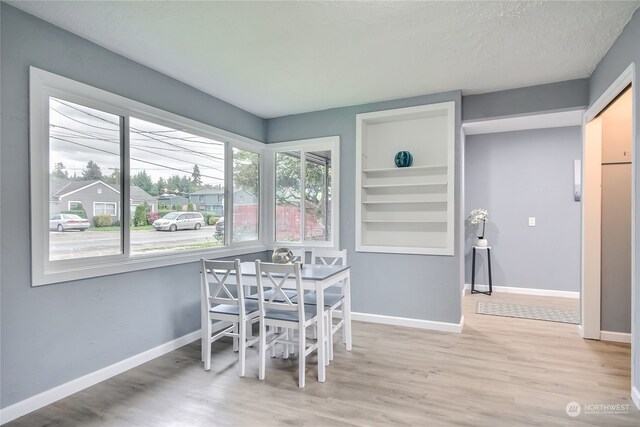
[(216, 284), (299, 255), (328, 256), (276, 276)]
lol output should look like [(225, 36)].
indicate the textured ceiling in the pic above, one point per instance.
[(280, 58)]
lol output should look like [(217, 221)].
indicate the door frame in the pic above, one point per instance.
[(591, 295)]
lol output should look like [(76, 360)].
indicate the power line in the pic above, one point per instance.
[(133, 158), (184, 149), (136, 130), (89, 136)]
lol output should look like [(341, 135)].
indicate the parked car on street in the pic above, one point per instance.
[(220, 225), (64, 222), (179, 221)]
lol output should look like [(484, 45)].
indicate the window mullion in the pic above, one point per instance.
[(303, 185), (327, 212), (228, 194), (125, 185)]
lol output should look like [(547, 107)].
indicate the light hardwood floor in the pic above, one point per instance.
[(498, 372)]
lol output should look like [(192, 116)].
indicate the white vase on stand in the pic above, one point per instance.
[(482, 242)]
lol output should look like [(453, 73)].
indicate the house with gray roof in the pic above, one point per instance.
[(95, 196)]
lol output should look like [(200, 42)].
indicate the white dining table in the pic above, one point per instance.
[(318, 278)]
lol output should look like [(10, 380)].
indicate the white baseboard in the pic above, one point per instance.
[(635, 396), (406, 321), (523, 291), (580, 331), (615, 336), (59, 392)]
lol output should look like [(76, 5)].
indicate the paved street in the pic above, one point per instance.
[(72, 244)]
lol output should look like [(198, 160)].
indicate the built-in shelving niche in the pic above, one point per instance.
[(406, 210)]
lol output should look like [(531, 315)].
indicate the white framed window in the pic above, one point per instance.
[(110, 151), (105, 208), (74, 205), (305, 192)]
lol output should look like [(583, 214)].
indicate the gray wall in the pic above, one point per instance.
[(414, 286), (567, 95), (53, 334), (624, 51), (515, 175)]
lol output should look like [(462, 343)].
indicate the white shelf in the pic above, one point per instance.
[(406, 210), (402, 202), (417, 184), (405, 221), (404, 170)]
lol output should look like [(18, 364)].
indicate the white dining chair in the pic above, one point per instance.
[(225, 301), (298, 255), (281, 312), (332, 301)]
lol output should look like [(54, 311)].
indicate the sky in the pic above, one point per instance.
[(79, 134)]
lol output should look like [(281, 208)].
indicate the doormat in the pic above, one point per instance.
[(528, 312)]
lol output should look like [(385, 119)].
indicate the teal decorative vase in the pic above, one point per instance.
[(404, 159)]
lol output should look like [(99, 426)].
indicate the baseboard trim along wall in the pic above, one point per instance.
[(615, 336), (524, 291), (406, 321), (635, 396), (63, 390)]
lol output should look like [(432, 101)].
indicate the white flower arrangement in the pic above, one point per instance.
[(478, 216)]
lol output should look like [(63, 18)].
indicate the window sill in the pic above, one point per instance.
[(140, 263)]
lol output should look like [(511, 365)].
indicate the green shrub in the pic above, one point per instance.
[(212, 220), (163, 212), (190, 207), (140, 216), (79, 210), (102, 221), (80, 213)]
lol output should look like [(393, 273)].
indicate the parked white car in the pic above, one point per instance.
[(179, 221), (64, 222)]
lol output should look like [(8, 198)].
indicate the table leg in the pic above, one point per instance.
[(473, 270), (320, 325), (489, 263), (346, 312)]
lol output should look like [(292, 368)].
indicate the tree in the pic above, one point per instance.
[(287, 179), (196, 178), (288, 184), (245, 171), (143, 180), (114, 178), (160, 186), (180, 183), (91, 172), (140, 216), (59, 171), (82, 212)]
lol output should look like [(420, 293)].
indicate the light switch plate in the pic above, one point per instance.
[(532, 221)]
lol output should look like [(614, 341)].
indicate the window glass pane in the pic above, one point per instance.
[(84, 167), (174, 171), (287, 193), (317, 195), (246, 195)]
